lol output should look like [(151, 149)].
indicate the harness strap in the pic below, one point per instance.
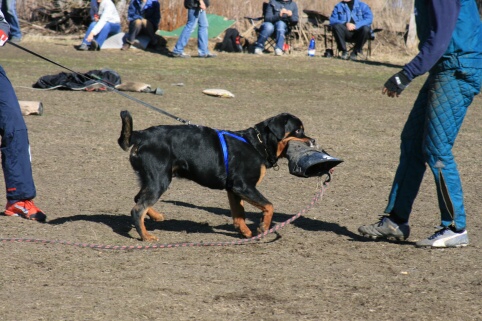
[(224, 146)]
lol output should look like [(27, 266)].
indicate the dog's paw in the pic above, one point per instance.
[(245, 232), (262, 228), (149, 238)]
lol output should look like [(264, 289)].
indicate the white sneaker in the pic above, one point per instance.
[(445, 237), (278, 52), (258, 51)]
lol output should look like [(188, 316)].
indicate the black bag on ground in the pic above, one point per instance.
[(232, 41), (92, 80)]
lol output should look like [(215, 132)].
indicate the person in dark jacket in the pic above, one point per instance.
[(351, 21), (16, 166), (144, 17), (196, 15), (278, 16), (450, 34)]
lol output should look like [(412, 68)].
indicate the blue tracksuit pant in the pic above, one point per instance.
[(17, 169), (428, 137)]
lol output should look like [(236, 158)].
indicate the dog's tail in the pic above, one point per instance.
[(126, 132)]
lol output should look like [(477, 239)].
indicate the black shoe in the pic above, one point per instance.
[(94, 46), (353, 55), (344, 55), (126, 46)]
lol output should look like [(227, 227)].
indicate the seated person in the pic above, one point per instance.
[(144, 17), (106, 22), (351, 21), (279, 14)]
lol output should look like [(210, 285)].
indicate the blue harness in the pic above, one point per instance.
[(221, 134)]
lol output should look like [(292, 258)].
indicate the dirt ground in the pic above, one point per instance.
[(318, 268)]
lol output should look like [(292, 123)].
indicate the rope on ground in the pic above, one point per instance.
[(318, 196)]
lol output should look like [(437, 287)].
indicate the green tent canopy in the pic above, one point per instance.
[(217, 25)]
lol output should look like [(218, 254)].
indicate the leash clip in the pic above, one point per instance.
[(328, 177), (259, 137)]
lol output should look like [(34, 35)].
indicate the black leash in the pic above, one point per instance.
[(108, 85)]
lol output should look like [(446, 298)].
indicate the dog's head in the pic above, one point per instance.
[(280, 129)]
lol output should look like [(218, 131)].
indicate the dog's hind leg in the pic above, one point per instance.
[(144, 202), (153, 187), (138, 214), (237, 212), (154, 215)]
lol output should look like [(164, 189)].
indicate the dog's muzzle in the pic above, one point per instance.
[(305, 161)]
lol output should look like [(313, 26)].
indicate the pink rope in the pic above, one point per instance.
[(318, 196)]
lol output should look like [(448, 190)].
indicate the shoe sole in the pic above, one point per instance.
[(441, 247), (391, 238), (30, 218)]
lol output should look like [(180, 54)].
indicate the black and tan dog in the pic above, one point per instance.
[(234, 161)]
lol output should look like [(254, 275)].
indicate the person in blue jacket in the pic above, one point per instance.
[(351, 21), (16, 166), (450, 33), (278, 16), (144, 17)]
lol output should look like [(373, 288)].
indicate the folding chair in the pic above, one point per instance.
[(330, 38), (271, 42)]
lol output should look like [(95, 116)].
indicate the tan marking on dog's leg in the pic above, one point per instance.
[(261, 174), (155, 215), (237, 212), (141, 228), (268, 211)]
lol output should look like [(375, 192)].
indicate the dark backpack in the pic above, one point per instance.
[(189, 4), (232, 41)]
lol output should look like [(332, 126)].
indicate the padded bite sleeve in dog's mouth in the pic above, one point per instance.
[(305, 161)]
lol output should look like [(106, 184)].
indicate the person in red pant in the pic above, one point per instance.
[(15, 149)]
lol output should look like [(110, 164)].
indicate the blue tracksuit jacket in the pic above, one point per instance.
[(450, 34)]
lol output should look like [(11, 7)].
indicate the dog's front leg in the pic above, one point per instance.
[(138, 215), (237, 212), (265, 223)]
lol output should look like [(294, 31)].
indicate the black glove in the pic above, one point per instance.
[(397, 83)]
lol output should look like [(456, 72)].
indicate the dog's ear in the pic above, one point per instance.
[(277, 125), (282, 124)]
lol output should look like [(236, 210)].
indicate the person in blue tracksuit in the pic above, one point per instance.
[(15, 149), (450, 34)]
